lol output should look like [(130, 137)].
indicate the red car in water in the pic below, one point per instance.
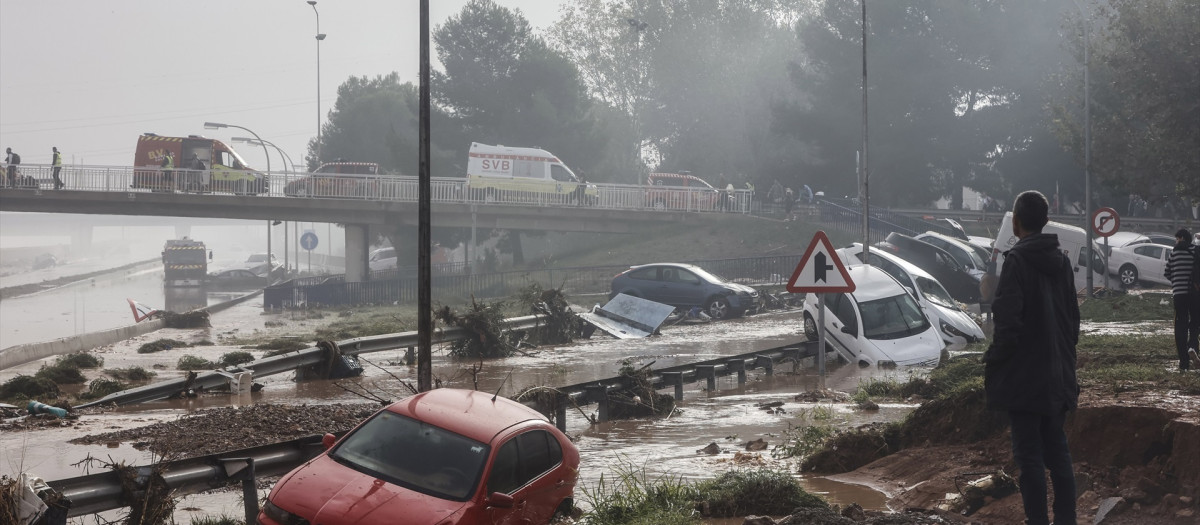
[(443, 457)]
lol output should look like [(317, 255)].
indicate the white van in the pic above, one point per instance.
[(507, 172), (1072, 240)]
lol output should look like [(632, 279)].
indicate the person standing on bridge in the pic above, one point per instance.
[(56, 161), (1029, 369), (12, 160), (168, 167)]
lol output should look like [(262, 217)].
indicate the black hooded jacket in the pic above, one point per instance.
[(1030, 365)]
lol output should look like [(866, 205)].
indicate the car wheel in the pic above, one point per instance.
[(562, 512), (489, 196), (718, 308), (810, 327), (659, 205), (302, 191), (1128, 275)]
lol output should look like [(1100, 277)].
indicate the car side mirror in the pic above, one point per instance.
[(846, 330), (500, 500), (328, 440)]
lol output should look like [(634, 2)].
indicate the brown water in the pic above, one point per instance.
[(662, 447)]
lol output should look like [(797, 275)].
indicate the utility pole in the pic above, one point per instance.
[(424, 271)]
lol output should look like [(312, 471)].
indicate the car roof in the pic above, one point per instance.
[(1122, 238), (911, 268), (672, 265), (901, 241), (872, 283), (471, 413), (954, 241)]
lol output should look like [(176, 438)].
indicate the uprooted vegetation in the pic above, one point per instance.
[(561, 325), (159, 345)]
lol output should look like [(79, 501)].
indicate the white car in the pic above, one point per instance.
[(382, 259), (1141, 262), (964, 252), (879, 324), (955, 325)]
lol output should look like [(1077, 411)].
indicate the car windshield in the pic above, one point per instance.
[(262, 257), (934, 291), (415, 455), (892, 317)]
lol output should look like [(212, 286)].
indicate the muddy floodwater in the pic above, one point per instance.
[(667, 446)]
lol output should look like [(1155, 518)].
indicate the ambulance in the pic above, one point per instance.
[(201, 165), (513, 174)]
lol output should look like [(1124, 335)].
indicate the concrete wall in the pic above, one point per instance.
[(21, 354)]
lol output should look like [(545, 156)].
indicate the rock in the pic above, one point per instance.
[(756, 445), (855, 512), (711, 449), (1185, 513), (758, 520), (1108, 505), (769, 406), (1153, 490)]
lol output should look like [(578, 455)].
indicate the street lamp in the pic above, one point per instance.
[(218, 125), (320, 37), (259, 142), (1087, 145)]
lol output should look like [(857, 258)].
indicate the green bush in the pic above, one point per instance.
[(62, 374), (631, 497), (99, 388), (133, 373), (761, 491), (24, 388), (191, 362), (235, 358), (159, 345), (80, 360)]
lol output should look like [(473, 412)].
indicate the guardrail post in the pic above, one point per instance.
[(599, 394), (740, 367), (709, 373), (765, 363), (410, 358), (675, 379), (560, 412), (249, 487)]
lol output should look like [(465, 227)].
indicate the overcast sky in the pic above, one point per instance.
[(90, 76)]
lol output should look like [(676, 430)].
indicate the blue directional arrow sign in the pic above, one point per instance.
[(308, 241), (820, 270)]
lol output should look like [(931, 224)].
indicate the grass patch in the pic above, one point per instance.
[(24, 388), (631, 497), (1128, 307), (191, 362), (218, 520), (158, 345), (761, 492), (1122, 363), (234, 358), (99, 388), (133, 373), (61, 374), (204, 342), (79, 360)]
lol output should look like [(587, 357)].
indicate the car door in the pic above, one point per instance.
[(522, 469), (1151, 262), (839, 314), (689, 288)]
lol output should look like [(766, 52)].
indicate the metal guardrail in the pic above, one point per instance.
[(290, 361), (101, 492), (131, 179)]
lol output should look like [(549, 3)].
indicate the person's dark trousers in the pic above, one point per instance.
[(1187, 325), (58, 183), (1039, 444), (12, 176)]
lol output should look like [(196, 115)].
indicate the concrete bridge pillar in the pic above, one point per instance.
[(357, 269), (183, 230), (81, 238)]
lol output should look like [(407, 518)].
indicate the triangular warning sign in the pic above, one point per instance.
[(820, 270)]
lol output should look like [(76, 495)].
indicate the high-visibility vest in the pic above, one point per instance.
[(170, 162), (58, 159)]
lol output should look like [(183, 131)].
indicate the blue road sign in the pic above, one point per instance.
[(308, 241)]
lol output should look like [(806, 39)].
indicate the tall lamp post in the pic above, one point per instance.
[(1087, 144), (218, 125), (320, 37), (261, 142)]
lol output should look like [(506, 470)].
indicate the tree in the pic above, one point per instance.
[(955, 94), (1145, 110)]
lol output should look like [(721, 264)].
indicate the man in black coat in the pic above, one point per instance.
[(1029, 369)]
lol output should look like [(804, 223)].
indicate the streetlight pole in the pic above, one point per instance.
[(320, 37), (424, 270), (218, 125), (865, 190), (1087, 145)]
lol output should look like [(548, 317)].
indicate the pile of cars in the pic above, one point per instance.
[(686, 286)]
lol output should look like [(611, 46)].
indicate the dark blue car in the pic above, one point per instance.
[(686, 286)]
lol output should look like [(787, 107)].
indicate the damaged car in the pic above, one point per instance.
[(446, 456), (879, 324), (686, 286)]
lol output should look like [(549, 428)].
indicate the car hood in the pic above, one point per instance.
[(923, 349), (959, 319), (740, 288), (325, 491)]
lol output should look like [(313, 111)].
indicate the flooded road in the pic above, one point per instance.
[(662, 447)]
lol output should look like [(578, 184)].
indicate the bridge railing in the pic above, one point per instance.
[(131, 179)]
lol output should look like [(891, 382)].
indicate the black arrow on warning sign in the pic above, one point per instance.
[(820, 268)]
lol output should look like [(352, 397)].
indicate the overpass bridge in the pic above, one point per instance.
[(356, 202)]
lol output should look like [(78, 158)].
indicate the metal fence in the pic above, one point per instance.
[(333, 290)]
